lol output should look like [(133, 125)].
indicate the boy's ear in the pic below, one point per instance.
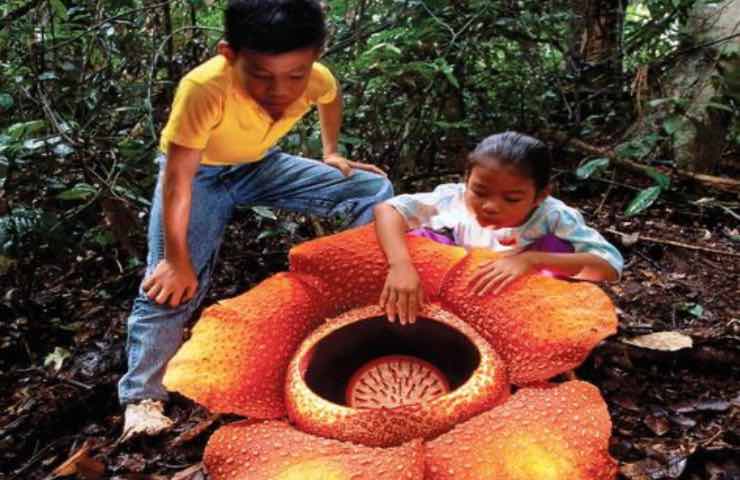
[(226, 50)]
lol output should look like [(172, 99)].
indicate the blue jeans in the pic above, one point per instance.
[(278, 180)]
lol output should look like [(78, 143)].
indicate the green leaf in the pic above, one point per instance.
[(643, 200), (637, 147), (81, 191), (697, 310), (265, 212), (63, 150), (33, 144), (386, 46), (270, 232), (663, 180), (130, 148), (57, 358), (19, 131), (6, 101), (591, 167), (21, 222), (446, 69), (103, 238), (48, 76), (692, 308), (672, 124), (59, 9)]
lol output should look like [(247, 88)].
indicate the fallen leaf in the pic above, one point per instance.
[(80, 464), (659, 425), (194, 432), (626, 403), (712, 406), (193, 472), (647, 469), (683, 421), (663, 341), (57, 358), (629, 239)]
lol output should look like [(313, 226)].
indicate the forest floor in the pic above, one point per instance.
[(675, 414)]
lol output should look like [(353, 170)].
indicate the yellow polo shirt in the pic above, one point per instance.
[(212, 113)]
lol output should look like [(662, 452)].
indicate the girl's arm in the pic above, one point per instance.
[(496, 276), (595, 259), (402, 293)]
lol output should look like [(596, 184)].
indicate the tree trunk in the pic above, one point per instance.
[(596, 53), (701, 137)]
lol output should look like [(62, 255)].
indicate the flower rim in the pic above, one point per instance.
[(486, 387)]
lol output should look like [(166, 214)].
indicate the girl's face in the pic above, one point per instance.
[(500, 197)]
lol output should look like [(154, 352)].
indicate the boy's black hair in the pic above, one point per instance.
[(274, 26), (530, 157)]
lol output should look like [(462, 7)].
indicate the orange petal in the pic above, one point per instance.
[(559, 433), (238, 354), (355, 266), (541, 326), (481, 388), (276, 451)]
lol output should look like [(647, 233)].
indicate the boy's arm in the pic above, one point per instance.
[(402, 293), (174, 277), (330, 119)]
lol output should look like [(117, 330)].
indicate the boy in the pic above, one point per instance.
[(227, 115)]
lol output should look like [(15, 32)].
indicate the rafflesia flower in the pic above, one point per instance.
[(369, 399)]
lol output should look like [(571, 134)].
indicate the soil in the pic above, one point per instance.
[(675, 414)]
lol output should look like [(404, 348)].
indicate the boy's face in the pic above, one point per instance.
[(500, 197), (273, 80)]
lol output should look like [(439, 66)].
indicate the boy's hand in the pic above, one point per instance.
[(498, 274), (402, 293), (345, 166), (177, 283)]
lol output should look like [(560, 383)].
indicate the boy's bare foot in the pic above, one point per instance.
[(144, 418)]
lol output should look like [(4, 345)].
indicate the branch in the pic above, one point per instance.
[(674, 243), (720, 183)]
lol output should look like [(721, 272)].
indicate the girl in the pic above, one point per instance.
[(504, 205)]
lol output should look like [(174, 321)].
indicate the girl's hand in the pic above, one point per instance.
[(177, 283), (497, 275), (402, 293)]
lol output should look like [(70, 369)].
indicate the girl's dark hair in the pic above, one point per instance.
[(529, 156), (274, 26)]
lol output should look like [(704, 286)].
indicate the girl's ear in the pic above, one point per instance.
[(226, 50), (543, 194)]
